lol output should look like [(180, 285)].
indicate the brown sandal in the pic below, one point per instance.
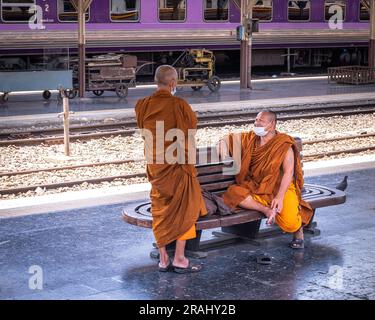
[(169, 267), (297, 244), (190, 268)]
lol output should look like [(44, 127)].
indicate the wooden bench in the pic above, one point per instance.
[(243, 225)]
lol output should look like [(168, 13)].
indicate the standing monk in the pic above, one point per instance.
[(270, 179), (176, 199)]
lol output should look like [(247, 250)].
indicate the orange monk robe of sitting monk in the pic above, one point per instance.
[(270, 178), (176, 199)]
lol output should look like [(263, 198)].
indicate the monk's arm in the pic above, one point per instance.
[(188, 116), (222, 147), (138, 113), (225, 146), (288, 173)]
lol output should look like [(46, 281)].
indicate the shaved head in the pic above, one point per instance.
[(266, 119), (271, 116), (165, 74)]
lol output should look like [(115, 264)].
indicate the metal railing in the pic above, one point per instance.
[(351, 75)]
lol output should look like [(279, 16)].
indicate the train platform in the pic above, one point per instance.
[(90, 253), (30, 109)]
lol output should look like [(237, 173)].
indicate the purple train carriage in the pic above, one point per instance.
[(41, 34)]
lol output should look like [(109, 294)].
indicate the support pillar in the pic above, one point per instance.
[(81, 49), (246, 45), (371, 57)]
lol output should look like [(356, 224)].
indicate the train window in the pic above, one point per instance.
[(125, 10), (216, 10), (66, 11), (172, 10), (262, 10), (299, 10), (17, 10), (364, 10), (339, 3)]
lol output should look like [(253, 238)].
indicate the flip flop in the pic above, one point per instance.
[(297, 244), (190, 268), (169, 267), (264, 260)]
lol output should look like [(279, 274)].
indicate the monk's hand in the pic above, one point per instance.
[(277, 203)]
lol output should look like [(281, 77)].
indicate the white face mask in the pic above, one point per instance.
[(174, 90), (260, 131)]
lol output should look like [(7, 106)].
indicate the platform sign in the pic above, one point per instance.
[(240, 33), (13, 81)]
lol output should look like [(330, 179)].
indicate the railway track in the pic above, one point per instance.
[(128, 128), (307, 157)]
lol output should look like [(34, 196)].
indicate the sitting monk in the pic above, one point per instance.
[(270, 178), (176, 199)]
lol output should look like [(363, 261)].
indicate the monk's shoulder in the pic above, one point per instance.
[(181, 102), (140, 103), (248, 134), (285, 137), (182, 105)]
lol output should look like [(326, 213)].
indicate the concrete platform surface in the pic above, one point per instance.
[(91, 254)]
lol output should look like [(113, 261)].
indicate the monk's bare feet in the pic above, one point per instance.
[(181, 262), (164, 261), (298, 235), (270, 214), (298, 240)]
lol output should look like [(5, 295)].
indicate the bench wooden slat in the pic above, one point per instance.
[(135, 219), (214, 178), (327, 196), (241, 217), (210, 169), (214, 187), (208, 223)]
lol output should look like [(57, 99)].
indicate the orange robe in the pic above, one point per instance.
[(176, 199), (260, 176)]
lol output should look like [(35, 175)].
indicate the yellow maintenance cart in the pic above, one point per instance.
[(196, 68)]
